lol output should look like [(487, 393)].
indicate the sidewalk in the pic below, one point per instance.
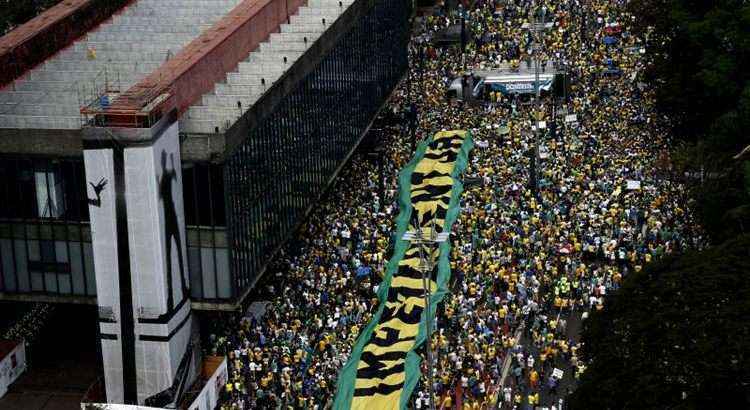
[(54, 386)]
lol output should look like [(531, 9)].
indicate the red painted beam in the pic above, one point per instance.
[(41, 37), (194, 71)]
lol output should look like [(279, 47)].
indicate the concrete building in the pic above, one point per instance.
[(154, 157)]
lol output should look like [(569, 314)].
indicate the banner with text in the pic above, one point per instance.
[(383, 368)]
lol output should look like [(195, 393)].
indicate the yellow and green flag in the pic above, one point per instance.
[(383, 368)]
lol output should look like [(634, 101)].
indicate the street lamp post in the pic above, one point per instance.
[(378, 154), (413, 115), (410, 101), (413, 122), (463, 39), (421, 65), (536, 24), (427, 238)]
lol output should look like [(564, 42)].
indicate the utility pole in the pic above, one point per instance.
[(407, 115), (463, 39), (378, 154), (413, 114), (408, 79), (422, 239), (535, 24), (421, 65), (413, 122)]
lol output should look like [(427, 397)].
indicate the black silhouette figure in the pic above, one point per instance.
[(171, 227), (98, 188)]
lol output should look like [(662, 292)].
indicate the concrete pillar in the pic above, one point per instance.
[(140, 258)]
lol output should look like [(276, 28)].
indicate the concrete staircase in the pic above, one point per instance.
[(222, 107), (127, 47)]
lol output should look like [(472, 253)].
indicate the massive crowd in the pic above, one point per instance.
[(527, 264)]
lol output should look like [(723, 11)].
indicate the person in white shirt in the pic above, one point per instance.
[(418, 402)]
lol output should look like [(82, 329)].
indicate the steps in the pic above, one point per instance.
[(128, 47), (263, 67)]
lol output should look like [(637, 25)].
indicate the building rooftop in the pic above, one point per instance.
[(221, 107), (116, 55), (155, 45)]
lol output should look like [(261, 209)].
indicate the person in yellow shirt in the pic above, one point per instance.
[(531, 399), (447, 402), (322, 344), (564, 348), (558, 301), (265, 381), (533, 378)]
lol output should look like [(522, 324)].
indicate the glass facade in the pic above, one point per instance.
[(287, 161), (205, 215), (45, 239)]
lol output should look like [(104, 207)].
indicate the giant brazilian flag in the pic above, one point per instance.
[(383, 368)]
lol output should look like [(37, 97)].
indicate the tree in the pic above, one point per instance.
[(699, 55), (675, 336)]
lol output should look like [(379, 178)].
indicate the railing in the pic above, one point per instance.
[(97, 93)]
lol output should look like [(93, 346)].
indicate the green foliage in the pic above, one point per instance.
[(701, 58), (717, 205), (17, 12), (700, 66), (675, 336)]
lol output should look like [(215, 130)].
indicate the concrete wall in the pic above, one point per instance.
[(140, 257)]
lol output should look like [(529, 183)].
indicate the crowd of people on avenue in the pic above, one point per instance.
[(529, 260)]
